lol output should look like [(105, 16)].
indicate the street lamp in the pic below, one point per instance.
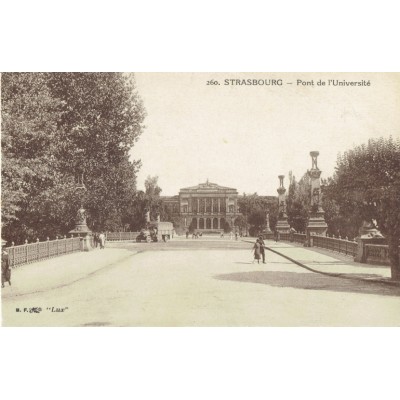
[(81, 228)]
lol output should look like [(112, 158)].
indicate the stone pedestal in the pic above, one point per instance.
[(81, 229), (361, 242), (267, 228), (316, 226)]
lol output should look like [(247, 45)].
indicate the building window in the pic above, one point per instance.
[(223, 205), (208, 205), (215, 206)]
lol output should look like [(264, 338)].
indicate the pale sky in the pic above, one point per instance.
[(245, 136)]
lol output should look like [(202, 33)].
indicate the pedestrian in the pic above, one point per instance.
[(276, 235), (257, 251), (5, 265), (262, 248), (236, 236), (102, 240), (187, 234)]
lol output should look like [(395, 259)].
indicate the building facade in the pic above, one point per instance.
[(207, 207)]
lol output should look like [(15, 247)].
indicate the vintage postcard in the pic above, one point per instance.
[(200, 199)]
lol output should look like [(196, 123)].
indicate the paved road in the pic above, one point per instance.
[(196, 283)]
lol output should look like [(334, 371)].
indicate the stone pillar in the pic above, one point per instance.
[(212, 206), (198, 205), (219, 205), (197, 219), (316, 221), (282, 224), (268, 228), (219, 223)]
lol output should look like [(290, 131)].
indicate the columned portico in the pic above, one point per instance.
[(207, 207)]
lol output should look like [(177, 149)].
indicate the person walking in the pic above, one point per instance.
[(262, 248), (5, 265), (257, 251), (102, 240), (276, 235)]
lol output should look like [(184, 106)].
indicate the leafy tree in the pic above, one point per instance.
[(367, 179), (192, 226), (56, 127), (298, 202), (241, 223), (257, 219), (342, 215), (226, 226), (36, 196), (252, 205), (101, 120)]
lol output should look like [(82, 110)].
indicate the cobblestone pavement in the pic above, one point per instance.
[(199, 283)]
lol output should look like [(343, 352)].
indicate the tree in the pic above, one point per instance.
[(252, 205), (298, 202), (36, 197), (101, 120), (367, 179), (226, 226), (257, 219), (241, 223), (56, 127)]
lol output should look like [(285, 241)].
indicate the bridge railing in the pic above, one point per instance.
[(339, 245), (121, 236), (343, 246), (31, 252)]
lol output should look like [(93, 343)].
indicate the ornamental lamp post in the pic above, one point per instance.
[(282, 225), (316, 224), (81, 228)]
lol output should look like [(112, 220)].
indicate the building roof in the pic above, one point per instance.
[(207, 186)]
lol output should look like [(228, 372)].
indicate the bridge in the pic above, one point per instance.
[(210, 281)]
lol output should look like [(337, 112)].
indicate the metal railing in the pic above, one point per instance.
[(31, 252), (299, 238), (121, 236), (338, 245)]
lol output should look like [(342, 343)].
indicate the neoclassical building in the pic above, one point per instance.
[(207, 207)]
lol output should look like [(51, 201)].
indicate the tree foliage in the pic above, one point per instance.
[(298, 202), (366, 186), (254, 209), (56, 127)]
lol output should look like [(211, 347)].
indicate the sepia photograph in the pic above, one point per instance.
[(200, 199)]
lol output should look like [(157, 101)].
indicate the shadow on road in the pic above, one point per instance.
[(313, 281)]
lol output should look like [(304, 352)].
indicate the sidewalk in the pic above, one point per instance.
[(329, 262), (60, 271)]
